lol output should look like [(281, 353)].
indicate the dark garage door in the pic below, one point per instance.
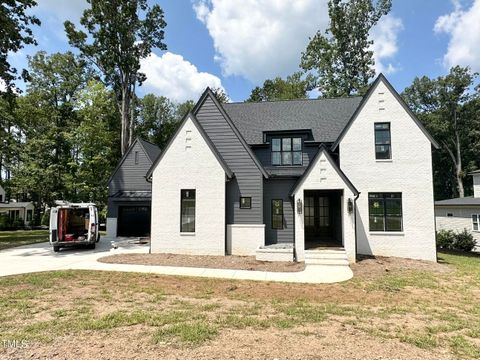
[(133, 221)]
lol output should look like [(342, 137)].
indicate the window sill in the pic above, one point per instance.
[(187, 234), (387, 233), (384, 160)]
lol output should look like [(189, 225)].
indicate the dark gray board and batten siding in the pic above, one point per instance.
[(248, 180), (278, 189)]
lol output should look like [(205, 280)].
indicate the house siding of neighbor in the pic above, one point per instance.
[(247, 178), (19, 210), (461, 214), (129, 193)]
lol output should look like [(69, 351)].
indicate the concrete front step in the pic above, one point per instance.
[(326, 257)]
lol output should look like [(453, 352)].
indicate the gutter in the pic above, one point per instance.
[(294, 241)]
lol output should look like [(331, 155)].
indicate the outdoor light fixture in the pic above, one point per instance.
[(299, 206), (350, 206)]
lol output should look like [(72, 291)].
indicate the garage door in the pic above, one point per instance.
[(133, 221)]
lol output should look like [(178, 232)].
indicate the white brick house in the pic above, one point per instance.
[(291, 176)]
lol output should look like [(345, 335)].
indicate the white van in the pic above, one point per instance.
[(74, 224)]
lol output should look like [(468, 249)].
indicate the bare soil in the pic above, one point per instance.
[(214, 262)]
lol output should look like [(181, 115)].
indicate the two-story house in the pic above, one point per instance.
[(278, 179)]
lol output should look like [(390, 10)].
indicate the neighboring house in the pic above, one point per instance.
[(18, 210), (129, 193), (277, 179), (461, 213)]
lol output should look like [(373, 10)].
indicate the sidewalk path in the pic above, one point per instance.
[(40, 257)]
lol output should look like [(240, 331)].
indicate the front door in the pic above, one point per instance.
[(322, 218)]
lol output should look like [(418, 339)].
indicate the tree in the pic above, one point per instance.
[(120, 39), (159, 118), (450, 110), (15, 32), (221, 95), (342, 58), (294, 87)]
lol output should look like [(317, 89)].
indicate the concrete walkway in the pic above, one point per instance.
[(40, 257)]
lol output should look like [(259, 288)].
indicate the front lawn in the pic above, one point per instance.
[(392, 308), (10, 239)]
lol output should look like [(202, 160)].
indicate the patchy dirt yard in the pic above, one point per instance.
[(215, 262), (391, 309)]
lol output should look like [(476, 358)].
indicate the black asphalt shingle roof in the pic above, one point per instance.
[(152, 150), (325, 117), (465, 201)]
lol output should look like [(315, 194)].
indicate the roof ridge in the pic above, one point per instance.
[(292, 100)]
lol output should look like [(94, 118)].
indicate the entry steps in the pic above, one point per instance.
[(326, 256)]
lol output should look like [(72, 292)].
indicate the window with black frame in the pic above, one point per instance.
[(277, 214), (187, 221), (383, 146), (245, 202), (287, 151), (385, 211)]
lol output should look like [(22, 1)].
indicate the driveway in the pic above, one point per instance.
[(40, 257)]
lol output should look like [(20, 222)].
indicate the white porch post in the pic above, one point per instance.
[(299, 227)]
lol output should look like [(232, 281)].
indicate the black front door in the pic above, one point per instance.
[(133, 221), (322, 218)]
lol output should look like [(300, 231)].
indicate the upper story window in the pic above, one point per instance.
[(383, 146), (136, 157), (476, 222), (287, 151)]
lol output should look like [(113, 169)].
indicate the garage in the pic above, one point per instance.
[(133, 221)]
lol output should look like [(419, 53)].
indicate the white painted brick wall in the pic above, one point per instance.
[(188, 164), (324, 177), (244, 239), (409, 172), (476, 185)]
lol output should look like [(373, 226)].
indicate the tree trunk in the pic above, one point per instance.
[(459, 170), (125, 114)]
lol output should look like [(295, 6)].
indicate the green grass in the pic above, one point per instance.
[(9, 239), (434, 311)]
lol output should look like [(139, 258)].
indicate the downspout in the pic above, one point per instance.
[(149, 179), (355, 223), (294, 243)]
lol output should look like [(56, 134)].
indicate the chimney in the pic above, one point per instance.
[(476, 184)]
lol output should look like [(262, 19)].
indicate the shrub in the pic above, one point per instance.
[(445, 239), (464, 241), (449, 240), (46, 218)]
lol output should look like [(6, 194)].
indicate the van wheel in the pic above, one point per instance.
[(56, 248), (98, 238), (91, 246)]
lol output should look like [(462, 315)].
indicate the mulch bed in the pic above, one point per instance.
[(214, 262)]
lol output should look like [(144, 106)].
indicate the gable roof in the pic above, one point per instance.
[(323, 150), (465, 201), (382, 78), (209, 93), (325, 117), (205, 137), (151, 149), (147, 147)]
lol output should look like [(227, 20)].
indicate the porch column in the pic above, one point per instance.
[(299, 226)]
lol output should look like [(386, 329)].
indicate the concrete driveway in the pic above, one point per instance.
[(40, 257)]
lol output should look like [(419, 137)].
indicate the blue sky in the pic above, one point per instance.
[(237, 44)]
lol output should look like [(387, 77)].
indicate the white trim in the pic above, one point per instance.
[(187, 234), (247, 225), (388, 233)]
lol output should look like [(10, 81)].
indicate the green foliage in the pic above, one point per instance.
[(342, 58), (449, 108), (15, 32), (159, 118), (293, 87), (45, 218), (221, 95), (449, 240), (119, 40)]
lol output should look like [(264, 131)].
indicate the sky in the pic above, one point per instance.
[(238, 44)]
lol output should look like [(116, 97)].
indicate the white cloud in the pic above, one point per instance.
[(260, 39), (62, 9), (385, 38), (463, 27), (172, 76)]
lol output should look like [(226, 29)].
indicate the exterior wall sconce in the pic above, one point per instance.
[(350, 205), (299, 206)]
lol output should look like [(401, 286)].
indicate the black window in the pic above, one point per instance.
[(277, 214), (245, 202), (136, 157), (287, 151), (385, 211), (383, 146), (1, 198), (187, 221), (476, 222)]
